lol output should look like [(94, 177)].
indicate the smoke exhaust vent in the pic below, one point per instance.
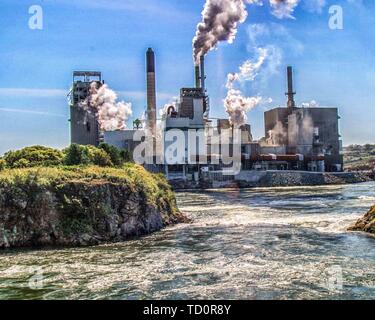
[(290, 94), (203, 75)]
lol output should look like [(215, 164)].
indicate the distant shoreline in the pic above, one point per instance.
[(271, 179)]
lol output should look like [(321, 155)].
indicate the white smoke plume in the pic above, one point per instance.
[(112, 115), (277, 135), (248, 70), (221, 18), (311, 104), (235, 103), (173, 103)]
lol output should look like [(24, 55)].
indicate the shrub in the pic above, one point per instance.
[(2, 164), (86, 155), (98, 157), (113, 153), (32, 157), (126, 156), (73, 155)]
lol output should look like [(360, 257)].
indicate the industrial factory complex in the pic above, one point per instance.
[(296, 138)]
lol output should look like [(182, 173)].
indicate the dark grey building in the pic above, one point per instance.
[(84, 126), (312, 132)]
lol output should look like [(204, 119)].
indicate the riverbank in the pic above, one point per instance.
[(82, 206), (269, 179)]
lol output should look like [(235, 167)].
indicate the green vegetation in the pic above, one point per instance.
[(75, 155), (154, 186), (33, 157), (79, 196), (2, 164), (359, 158), (83, 193)]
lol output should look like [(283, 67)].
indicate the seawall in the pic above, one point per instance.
[(253, 179)]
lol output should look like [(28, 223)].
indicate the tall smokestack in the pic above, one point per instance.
[(197, 77), (151, 91), (203, 75), (290, 93)]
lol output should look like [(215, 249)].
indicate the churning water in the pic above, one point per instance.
[(276, 243)]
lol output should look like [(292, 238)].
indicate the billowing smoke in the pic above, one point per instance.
[(235, 103), (221, 18), (173, 103), (102, 101)]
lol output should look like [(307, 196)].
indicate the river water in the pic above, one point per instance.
[(278, 243)]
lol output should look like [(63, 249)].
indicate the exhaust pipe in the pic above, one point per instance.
[(290, 93), (197, 77), (203, 76)]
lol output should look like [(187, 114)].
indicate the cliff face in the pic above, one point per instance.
[(43, 208), (366, 224)]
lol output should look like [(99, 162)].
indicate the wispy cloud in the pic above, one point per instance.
[(32, 112), (28, 92)]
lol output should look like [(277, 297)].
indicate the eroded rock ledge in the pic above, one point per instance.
[(365, 224), (59, 207)]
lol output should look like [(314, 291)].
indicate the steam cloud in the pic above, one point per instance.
[(221, 18), (235, 103), (173, 103), (277, 135), (112, 115), (311, 104), (304, 130)]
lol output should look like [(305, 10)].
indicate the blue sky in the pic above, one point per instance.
[(332, 67)]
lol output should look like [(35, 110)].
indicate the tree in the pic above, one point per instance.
[(87, 155), (113, 153), (73, 155)]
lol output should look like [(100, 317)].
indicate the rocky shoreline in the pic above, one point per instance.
[(365, 224), (64, 209), (270, 179)]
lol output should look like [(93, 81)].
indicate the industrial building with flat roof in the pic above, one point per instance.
[(296, 138)]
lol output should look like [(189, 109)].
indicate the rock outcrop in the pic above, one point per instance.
[(41, 208), (365, 224)]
